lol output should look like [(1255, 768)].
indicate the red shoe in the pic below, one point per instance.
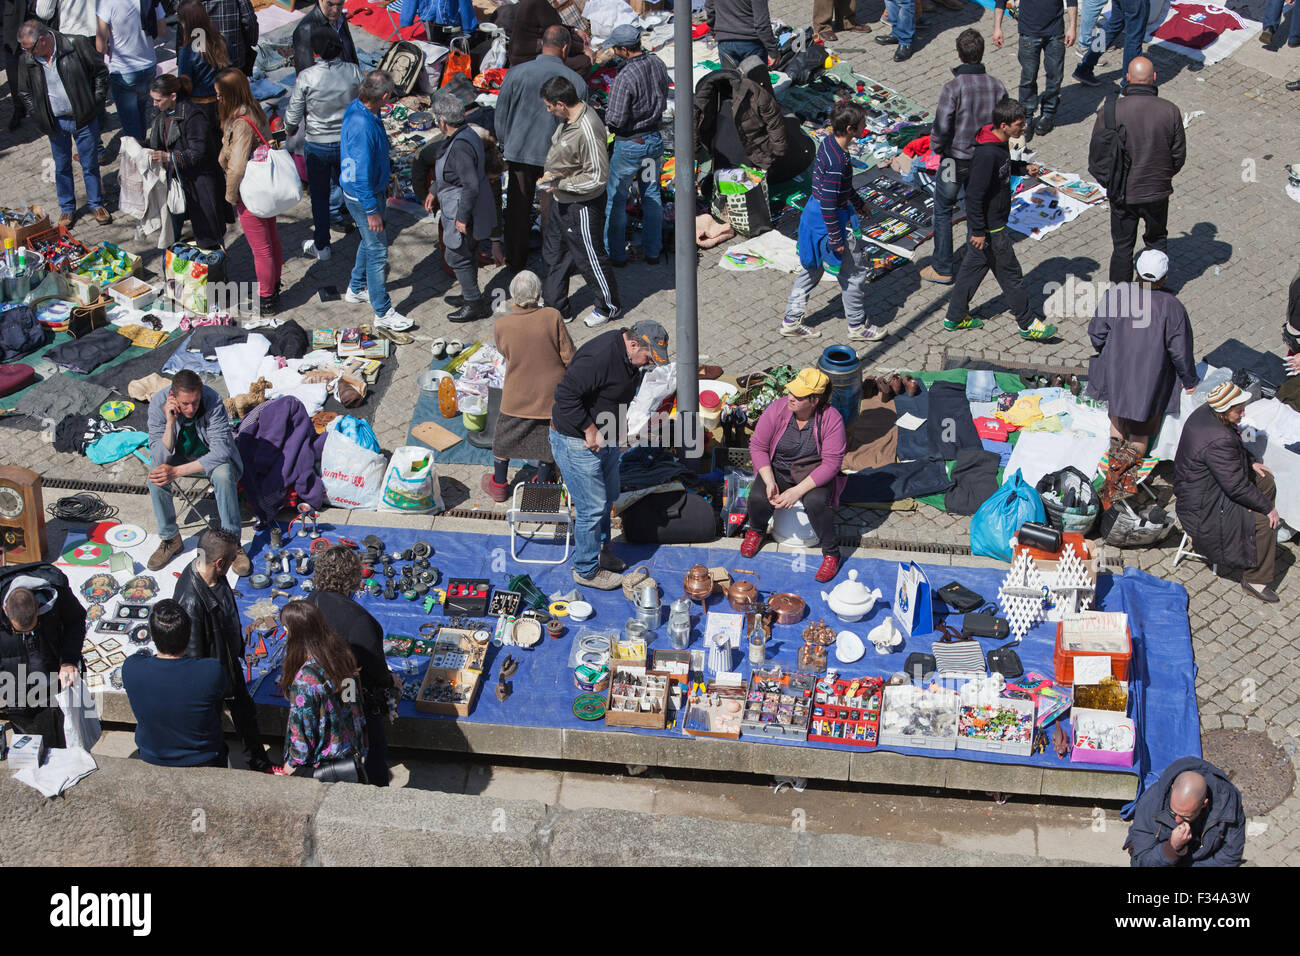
[(498, 493), (830, 567), (753, 541)]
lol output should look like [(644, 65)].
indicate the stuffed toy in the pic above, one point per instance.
[(237, 406)]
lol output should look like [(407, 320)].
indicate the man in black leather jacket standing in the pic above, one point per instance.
[(206, 596)]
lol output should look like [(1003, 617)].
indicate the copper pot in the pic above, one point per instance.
[(743, 596), (787, 608), (698, 583)]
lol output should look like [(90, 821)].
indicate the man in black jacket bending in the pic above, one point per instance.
[(324, 15), (988, 204), (214, 632), (41, 631)]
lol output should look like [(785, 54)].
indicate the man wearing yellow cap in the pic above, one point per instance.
[(1225, 497), (797, 449)]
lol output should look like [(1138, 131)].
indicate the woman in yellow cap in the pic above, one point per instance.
[(797, 448)]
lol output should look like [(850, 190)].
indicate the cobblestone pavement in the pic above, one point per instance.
[(1228, 217)]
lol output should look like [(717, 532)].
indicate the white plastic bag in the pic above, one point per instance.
[(81, 728), (411, 483), (658, 384), (605, 15), (353, 475), (271, 184)]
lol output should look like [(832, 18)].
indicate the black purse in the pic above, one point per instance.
[(341, 770), (985, 623), (959, 597)]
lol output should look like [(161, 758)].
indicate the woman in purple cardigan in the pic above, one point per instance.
[(797, 448)]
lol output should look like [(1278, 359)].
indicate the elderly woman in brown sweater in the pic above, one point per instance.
[(537, 350)]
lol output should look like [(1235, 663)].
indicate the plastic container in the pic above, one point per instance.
[(1063, 660), (790, 526), (1110, 758), (842, 365), (474, 423)]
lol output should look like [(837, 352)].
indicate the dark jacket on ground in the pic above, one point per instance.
[(191, 139), (303, 57), (84, 75), (965, 105), (599, 380), (1157, 145), (988, 194), (742, 20), (1144, 349), (212, 633), (280, 450), (760, 123), (1218, 838), (1215, 490), (60, 621)]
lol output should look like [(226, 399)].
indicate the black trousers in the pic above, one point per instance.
[(1123, 233), (377, 741), (520, 189), (998, 255), (574, 241), (816, 503), (243, 714)]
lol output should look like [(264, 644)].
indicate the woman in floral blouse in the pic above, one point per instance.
[(320, 681)]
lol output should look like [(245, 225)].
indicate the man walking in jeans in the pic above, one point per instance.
[(364, 172), (637, 98), (1043, 30), (965, 104), (743, 28), (590, 407), (1157, 149), (1128, 19)]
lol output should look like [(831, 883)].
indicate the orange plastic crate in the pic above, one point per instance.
[(1063, 660)]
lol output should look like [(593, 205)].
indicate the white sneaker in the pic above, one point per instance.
[(867, 333), (357, 298), (309, 249), (394, 321), (595, 320)]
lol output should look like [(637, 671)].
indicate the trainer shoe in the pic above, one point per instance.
[(830, 566), (241, 565), (394, 321), (1038, 331), (799, 331), (356, 298), (166, 551), (866, 333), (931, 274), (970, 322), (750, 544), (309, 249), (602, 580), (597, 319)]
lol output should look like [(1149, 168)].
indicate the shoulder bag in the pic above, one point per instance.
[(270, 185)]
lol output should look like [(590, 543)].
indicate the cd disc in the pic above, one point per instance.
[(125, 535)]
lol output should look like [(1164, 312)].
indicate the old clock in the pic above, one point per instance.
[(22, 515)]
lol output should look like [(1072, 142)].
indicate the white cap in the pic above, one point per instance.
[(1152, 265)]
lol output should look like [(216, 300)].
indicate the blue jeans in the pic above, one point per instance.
[(323, 186), (1273, 20), (87, 139), (1089, 11), (738, 50), (1053, 55), (372, 261), (902, 20), (592, 480), (632, 162), (225, 485), (951, 180), (1127, 19), (131, 96)]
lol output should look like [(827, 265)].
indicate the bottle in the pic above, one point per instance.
[(9, 255)]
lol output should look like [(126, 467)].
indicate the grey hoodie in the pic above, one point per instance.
[(44, 592), (322, 94)]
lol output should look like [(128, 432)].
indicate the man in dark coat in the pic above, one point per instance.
[(41, 631), (1225, 498), (1143, 339), (1191, 817), (214, 631), (324, 15)]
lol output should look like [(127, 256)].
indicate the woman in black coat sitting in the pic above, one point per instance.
[(183, 139)]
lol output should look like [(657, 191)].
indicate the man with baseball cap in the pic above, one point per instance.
[(1224, 496), (1143, 339), (587, 418)]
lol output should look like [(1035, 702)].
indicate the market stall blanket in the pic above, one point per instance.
[(462, 453), (1163, 697)]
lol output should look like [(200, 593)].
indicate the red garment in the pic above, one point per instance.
[(994, 429), (1197, 25), (918, 147), (698, 30)]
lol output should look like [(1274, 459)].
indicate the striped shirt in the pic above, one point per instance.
[(638, 96), (832, 186)]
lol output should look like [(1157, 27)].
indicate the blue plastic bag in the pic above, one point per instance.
[(998, 519), (359, 430)]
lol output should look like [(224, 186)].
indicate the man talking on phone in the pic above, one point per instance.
[(189, 434)]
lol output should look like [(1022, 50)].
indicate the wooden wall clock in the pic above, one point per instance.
[(22, 516)]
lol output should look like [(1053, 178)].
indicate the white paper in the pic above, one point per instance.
[(1091, 669), (910, 422)]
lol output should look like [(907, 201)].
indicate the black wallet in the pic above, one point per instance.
[(959, 598), (920, 665), (983, 624)]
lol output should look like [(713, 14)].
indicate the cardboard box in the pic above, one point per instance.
[(463, 677), (646, 6), (1046, 562), (19, 234), (132, 293), (647, 707), (715, 711)]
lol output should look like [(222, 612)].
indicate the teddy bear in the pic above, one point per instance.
[(237, 406)]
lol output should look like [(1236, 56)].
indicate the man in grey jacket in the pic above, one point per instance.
[(1157, 149), (577, 168), (189, 434), (525, 132)]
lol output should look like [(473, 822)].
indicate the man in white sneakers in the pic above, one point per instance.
[(363, 174)]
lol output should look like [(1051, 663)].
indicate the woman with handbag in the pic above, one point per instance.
[(244, 128), (797, 448), (324, 737), (184, 141)]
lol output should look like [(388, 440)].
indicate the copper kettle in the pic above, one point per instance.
[(698, 583), (743, 596)]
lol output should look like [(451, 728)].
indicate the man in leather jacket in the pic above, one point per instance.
[(41, 631), (214, 618), (324, 15)]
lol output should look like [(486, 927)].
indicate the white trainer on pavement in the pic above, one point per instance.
[(596, 319), (357, 298), (394, 321), (309, 249)]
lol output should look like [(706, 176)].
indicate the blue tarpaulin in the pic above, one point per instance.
[(1163, 697)]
